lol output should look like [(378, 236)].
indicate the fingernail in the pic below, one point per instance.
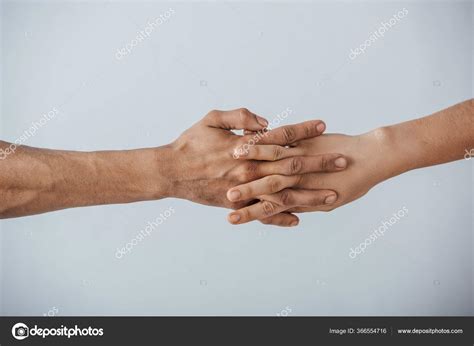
[(321, 127), (330, 199), (262, 121), (340, 162), (234, 195), (234, 218), (294, 223)]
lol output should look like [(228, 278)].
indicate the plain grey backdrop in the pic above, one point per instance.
[(267, 56)]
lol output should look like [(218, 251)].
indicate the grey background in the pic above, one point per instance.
[(267, 57)]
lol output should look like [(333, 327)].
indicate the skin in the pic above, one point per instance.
[(199, 166), (372, 158)]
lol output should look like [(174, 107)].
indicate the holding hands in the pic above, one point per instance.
[(207, 165), (302, 192), (265, 175), (320, 180)]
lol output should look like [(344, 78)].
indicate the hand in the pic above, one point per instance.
[(367, 158), (198, 166), (204, 167)]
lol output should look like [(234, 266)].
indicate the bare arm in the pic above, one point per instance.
[(38, 180), (432, 140), (373, 157), (199, 166)]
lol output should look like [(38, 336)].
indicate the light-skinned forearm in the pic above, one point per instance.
[(373, 158), (439, 138)]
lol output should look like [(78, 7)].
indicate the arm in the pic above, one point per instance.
[(198, 166), (39, 180), (373, 157), (432, 140)]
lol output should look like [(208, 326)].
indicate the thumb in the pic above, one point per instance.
[(238, 119)]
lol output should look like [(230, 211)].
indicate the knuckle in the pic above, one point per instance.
[(318, 183), (244, 114), (213, 113), (256, 152), (289, 134), (268, 208), (286, 198), (299, 180), (244, 111), (241, 141), (274, 184), (311, 130), (324, 163), (245, 215), (240, 175), (296, 165), (317, 201), (250, 171), (308, 131), (277, 153)]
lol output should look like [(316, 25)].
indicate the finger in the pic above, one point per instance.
[(286, 199), (318, 181), (302, 198), (269, 152), (275, 183), (238, 119), (306, 209), (304, 164), (260, 210), (289, 134), (264, 186), (282, 219), (324, 208)]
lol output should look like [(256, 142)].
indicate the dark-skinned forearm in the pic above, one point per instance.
[(35, 180)]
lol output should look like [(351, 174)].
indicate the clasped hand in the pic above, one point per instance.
[(267, 175)]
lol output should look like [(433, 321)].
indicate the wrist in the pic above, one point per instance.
[(161, 172), (385, 152), (132, 175)]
